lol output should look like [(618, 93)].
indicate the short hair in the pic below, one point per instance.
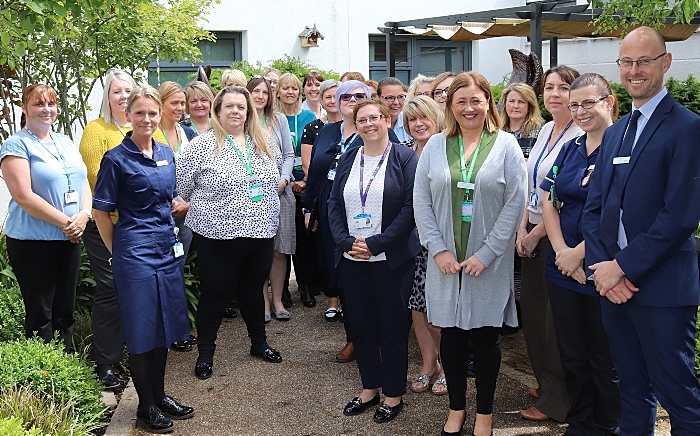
[(197, 87), (566, 73), (288, 78), (272, 70), (352, 75), (383, 109), (168, 89), (533, 118), (37, 92), (145, 91), (312, 75), (603, 87), (328, 84), (389, 81), (441, 78), (268, 110), (348, 86), (106, 109), (252, 127), (462, 80), (236, 76), (418, 81), (423, 106)]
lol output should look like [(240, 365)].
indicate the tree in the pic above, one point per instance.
[(71, 44), (646, 12)]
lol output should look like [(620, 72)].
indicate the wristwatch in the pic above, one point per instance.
[(87, 212)]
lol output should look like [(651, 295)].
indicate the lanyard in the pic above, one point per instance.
[(466, 177), (344, 145), (295, 138), (247, 163), (177, 134), (264, 122), (548, 150), (60, 157), (364, 192), (118, 126)]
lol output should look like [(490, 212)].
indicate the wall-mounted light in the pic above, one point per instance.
[(309, 36)]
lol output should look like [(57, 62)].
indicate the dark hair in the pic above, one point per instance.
[(462, 80), (389, 81), (268, 111), (312, 75), (566, 73), (602, 85)]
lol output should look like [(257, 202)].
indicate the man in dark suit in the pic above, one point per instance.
[(643, 207)]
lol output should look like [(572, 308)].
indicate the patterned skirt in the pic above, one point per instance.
[(417, 300)]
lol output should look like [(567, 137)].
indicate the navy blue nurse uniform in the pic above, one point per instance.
[(148, 278)]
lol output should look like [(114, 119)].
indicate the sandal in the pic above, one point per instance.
[(422, 383), (440, 386)]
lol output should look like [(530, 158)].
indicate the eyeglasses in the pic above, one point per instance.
[(626, 64), (348, 97), (438, 92), (371, 119), (393, 98), (586, 104), (426, 93), (267, 79)]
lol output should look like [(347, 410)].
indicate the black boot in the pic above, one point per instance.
[(307, 299), (286, 298)]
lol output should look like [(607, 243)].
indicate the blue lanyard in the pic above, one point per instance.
[(344, 145), (548, 150), (364, 192), (60, 157)]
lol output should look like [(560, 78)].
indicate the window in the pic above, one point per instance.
[(219, 54), (427, 56)]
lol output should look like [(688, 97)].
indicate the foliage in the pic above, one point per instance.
[(46, 369), (7, 276), (71, 44), (11, 314), (39, 414), (623, 98), (85, 292), (687, 92), (646, 12), (192, 286), (14, 427), (82, 335)]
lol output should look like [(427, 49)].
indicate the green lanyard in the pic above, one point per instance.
[(194, 127), (247, 163), (296, 133), (264, 121), (467, 176), (179, 144)]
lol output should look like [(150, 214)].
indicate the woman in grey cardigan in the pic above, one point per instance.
[(470, 189)]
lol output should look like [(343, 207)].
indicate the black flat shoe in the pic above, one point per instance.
[(386, 413), (174, 410), (203, 370), (356, 406), (109, 379), (192, 340), (153, 421), (268, 354), (287, 299), (230, 312), (452, 433), (182, 346), (307, 299)]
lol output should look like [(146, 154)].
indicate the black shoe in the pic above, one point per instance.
[(203, 370), (174, 410), (268, 354), (307, 299), (386, 413), (356, 406), (182, 346), (286, 299), (192, 340), (230, 312), (471, 372), (153, 421), (109, 379)]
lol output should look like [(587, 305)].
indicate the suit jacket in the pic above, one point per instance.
[(398, 239), (661, 188)]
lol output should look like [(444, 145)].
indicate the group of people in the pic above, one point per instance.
[(406, 205)]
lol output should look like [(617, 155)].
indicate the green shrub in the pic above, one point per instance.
[(45, 368), (11, 314), (85, 293), (7, 276), (192, 286), (31, 413)]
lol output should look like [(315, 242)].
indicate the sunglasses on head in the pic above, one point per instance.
[(265, 78), (348, 97)]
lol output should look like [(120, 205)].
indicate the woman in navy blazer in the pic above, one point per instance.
[(370, 212)]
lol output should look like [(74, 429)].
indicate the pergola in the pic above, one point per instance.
[(552, 19)]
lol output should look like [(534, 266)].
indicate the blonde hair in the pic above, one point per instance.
[(462, 80), (197, 87), (252, 127), (106, 109), (418, 81), (533, 118), (145, 91), (168, 89), (236, 76), (283, 80), (423, 106)]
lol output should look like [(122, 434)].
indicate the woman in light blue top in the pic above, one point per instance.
[(50, 207)]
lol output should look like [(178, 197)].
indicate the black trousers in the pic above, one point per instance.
[(107, 334), (47, 272), (304, 257), (377, 306), (454, 354), (234, 266), (589, 374)]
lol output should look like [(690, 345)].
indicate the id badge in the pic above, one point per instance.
[(534, 198), (331, 174), (71, 197), (252, 178), (465, 185), (363, 221), (297, 161), (467, 211), (255, 192), (179, 249)]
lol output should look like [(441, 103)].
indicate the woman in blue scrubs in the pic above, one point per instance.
[(591, 381), (138, 178)]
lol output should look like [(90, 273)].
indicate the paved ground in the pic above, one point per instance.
[(305, 394)]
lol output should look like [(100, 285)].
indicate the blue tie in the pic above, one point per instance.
[(628, 142)]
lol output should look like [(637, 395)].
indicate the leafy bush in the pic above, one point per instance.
[(31, 413), (45, 368), (192, 286), (85, 292), (7, 276), (11, 313)]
